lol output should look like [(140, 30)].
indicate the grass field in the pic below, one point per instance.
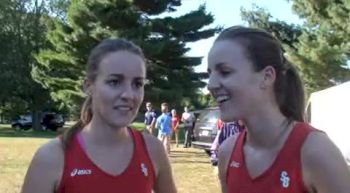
[(191, 168)]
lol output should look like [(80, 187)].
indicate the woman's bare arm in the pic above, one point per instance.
[(45, 170), (225, 150), (324, 168), (164, 178)]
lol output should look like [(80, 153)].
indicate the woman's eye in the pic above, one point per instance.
[(139, 84), (113, 82), (225, 72)]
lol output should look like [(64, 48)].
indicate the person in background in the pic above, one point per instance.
[(150, 118), (175, 122), (187, 119), (225, 130), (277, 152), (163, 124), (101, 153)]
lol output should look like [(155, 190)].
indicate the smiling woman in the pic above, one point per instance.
[(100, 153), (278, 152)]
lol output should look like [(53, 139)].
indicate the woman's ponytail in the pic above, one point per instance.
[(85, 118)]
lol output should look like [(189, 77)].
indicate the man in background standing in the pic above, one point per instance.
[(188, 119), (150, 118), (163, 124)]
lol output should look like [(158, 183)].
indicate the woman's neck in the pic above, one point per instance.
[(267, 130), (102, 134)]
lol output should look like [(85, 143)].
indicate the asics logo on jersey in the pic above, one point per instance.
[(285, 179), (80, 172), (234, 164), (144, 169)]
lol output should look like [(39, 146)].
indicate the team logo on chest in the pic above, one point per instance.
[(144, 169), (285, 180)]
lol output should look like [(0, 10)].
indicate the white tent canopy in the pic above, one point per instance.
[(330, 112)]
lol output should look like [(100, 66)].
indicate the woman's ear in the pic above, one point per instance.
[(87, 87), (268, 77)]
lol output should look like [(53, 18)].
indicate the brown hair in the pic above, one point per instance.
[(97, 54), (265, 50), (165, 105)]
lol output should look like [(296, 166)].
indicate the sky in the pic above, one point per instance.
[(227, 13)]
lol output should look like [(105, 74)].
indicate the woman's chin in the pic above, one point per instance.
[(228, 117), (120, 124), (120, 121)]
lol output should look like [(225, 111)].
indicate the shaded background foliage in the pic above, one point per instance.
[(45, 44)]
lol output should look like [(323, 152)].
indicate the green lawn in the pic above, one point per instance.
[(191, 168)]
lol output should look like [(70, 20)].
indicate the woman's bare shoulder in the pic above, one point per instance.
[(227, 146), (161, 163), (324, 167), (50, 155), (46, 168), (154, 146)]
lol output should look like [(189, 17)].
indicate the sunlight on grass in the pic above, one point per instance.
[(138, 125), (15, 156), (192, 171), (191, 168)]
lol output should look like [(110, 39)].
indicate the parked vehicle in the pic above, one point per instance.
[(205, 129), (49, 121), (196, 114), (22, 122), (52, 121)]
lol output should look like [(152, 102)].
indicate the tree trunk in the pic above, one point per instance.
[(36, 120)]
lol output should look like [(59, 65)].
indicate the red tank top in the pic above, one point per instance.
[(81, 175), (285, 174)]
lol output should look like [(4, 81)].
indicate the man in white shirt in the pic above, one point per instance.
[(188, 119)]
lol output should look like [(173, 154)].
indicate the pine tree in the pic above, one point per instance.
[(21, 36), (328, 35), (171, 73), (319, 50)]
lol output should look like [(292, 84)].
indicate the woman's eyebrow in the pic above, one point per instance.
[(116, 75)]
